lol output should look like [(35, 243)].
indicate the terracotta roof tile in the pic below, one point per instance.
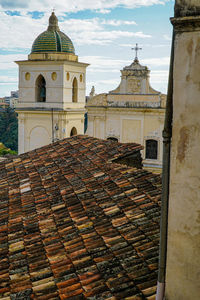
[(76, 225)]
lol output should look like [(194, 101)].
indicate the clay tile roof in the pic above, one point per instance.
[(74, 225)]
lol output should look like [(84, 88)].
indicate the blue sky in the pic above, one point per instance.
[(102, 31)]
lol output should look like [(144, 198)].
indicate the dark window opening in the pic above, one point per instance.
[(75, 90), (112, 139), (85, 122), (40, 89), (151, 149), (73, 131)]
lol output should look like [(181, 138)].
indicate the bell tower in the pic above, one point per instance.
[(52, 86)]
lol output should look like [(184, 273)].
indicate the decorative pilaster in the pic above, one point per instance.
[(21, 135)]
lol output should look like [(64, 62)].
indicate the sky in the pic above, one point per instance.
[(102, 31)]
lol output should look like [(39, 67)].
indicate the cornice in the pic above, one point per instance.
[(186, 24)]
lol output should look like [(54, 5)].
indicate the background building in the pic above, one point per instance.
[(51, 90), (133, 112), (11, 100), (3, 104)]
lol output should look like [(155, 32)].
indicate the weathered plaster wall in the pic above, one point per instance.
[(187, 8), (135, 134), (183, 260)]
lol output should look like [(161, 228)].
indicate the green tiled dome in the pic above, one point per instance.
[(53, 40)]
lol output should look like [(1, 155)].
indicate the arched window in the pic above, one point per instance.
[(112, 139), (151, 149), (75, 90), (40, 89), (73, 131)]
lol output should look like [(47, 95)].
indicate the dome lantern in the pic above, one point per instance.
[(53, 23), (53, 42)]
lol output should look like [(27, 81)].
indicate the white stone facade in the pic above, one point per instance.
[(51, 90), (35, 118)]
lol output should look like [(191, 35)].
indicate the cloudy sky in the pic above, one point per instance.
[(103, 33)]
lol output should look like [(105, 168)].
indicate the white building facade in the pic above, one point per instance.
[(51, 90), (133, 112)]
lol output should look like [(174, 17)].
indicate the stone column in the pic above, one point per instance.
[(183, 256)]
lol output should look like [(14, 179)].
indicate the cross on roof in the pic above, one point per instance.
[(136, 48)]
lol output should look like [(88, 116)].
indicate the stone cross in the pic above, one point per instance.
[(136, 48)]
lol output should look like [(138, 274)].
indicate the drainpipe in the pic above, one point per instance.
[(167, 134), (52, 126)]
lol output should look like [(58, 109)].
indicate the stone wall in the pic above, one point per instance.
[(187, 8)]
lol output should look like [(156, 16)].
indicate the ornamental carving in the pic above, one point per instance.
[(133, 86), (136, 73)]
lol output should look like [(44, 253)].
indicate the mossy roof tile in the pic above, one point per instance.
[(75, 225)]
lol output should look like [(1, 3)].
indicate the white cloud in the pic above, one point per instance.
[(64, 6), (104, 37), (146, 45), (7, 61), (8, 80), (159, 75), (108, 70), (118, 22), (104, 62), (167, 37), (20, 31), (78, 25), (156, 62), (103, 86), (103, 11), (159, 79), (140, 34), (126, 45), (7, 83), (104, 82)]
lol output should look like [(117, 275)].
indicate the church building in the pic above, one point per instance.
[(51, 90), (133, 112)]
